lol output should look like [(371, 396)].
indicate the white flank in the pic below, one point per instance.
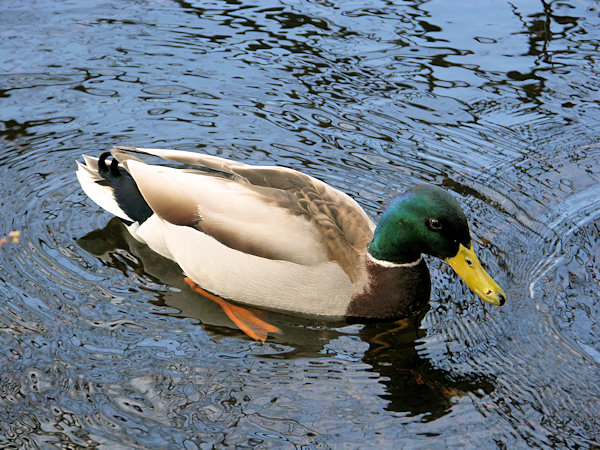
[(262, 282)]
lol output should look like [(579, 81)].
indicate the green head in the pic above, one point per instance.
[(427, 219)]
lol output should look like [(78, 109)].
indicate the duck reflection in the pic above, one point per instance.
[(412, 383)]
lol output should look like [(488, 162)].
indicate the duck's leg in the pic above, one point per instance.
[(245, 319)]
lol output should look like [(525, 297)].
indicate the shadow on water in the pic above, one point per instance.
[(413, 385)]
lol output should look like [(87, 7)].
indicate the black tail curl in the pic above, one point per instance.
[(125, 190), (114, 166)]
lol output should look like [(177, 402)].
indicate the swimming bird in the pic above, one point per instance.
[(275, 238)]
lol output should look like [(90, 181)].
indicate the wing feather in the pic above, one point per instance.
[(273, 212)]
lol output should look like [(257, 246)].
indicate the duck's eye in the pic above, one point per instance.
[(434, 224)]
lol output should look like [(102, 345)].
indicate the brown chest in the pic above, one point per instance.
[(391, 292)]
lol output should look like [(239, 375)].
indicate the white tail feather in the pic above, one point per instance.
[(101, 195)]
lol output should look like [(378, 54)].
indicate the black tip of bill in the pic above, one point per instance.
[(501, 298)]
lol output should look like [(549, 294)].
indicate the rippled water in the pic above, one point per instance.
[(102, 344)]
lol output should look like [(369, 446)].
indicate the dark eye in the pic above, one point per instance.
[(434, 224)]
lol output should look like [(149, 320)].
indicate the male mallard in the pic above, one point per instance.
[(276, 238)]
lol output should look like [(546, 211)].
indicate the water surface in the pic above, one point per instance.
[(102, 344)]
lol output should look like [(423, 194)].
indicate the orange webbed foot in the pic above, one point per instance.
[(244, 318)]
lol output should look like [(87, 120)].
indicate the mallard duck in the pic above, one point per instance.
[(275, 238)]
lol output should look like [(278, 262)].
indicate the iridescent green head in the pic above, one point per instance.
[(427, 219)]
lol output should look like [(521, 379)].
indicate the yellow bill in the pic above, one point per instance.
[(467, 266)]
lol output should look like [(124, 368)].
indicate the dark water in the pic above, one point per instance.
[(102, 344)]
